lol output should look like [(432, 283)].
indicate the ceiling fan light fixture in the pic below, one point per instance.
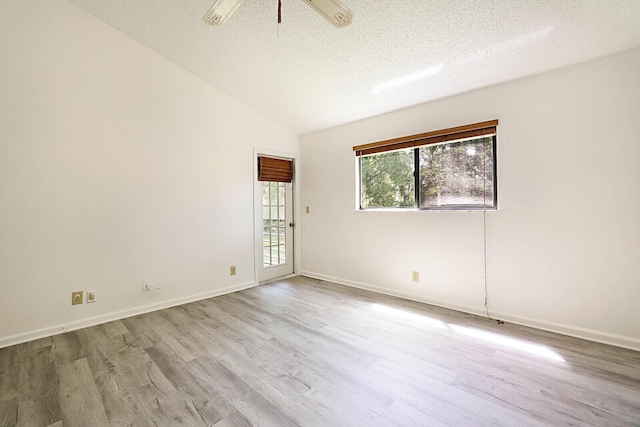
[(221, 11), (333, 11)]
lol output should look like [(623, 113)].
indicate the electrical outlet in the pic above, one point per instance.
[(76, 297), (232, 270), (91, 296), (415, 276), (145, 286), (307, 209)]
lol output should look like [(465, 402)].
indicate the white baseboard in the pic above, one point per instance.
[(573, 331), (277, 279), (117, 315)]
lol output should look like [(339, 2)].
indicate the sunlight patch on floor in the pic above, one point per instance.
[(489, 337), (414, 318), (513, 343)]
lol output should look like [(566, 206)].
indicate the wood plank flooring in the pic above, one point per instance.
[(304, 352)]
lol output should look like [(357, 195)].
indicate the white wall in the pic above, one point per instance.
[(116, 166), (562, 249)]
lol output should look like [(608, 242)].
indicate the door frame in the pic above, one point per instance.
[(257, 210)]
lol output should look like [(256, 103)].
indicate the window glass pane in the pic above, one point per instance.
[(387, 180), (265, 193), (457, 174), (273, 223), (273, 193), (281, 193)]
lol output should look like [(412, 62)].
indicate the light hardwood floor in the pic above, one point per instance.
[(303, 352)]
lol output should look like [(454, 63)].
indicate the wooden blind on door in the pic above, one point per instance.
[(275, 170)]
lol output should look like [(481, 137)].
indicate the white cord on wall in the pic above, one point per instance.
[(484, 233)]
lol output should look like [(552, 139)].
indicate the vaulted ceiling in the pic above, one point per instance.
[(308, 75)]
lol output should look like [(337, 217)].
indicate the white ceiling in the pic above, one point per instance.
[(309, 75)]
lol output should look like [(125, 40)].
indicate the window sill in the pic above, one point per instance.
[(443, 209)]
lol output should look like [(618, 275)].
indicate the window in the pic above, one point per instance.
[(449, 169), (274, 224), (275, 174), (387, 180)]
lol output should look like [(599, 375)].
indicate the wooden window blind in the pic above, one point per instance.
[(435, 137), (275, 170)]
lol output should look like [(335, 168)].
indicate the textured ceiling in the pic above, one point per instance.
[(308, 75)]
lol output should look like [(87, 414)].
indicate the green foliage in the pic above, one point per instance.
[(387, 180), (459, 173)]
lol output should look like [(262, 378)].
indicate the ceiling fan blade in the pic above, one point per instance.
[(333, 11), (221, 11)]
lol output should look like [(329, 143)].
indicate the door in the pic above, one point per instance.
[(277, 230)]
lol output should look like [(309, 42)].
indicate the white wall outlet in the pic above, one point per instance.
[(91, 296), (415, 276), (232, 270), (145, 286)]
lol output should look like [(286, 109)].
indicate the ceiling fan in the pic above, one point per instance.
[(332, 10)]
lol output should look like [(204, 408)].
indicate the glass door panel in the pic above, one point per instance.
[(277, 230)]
